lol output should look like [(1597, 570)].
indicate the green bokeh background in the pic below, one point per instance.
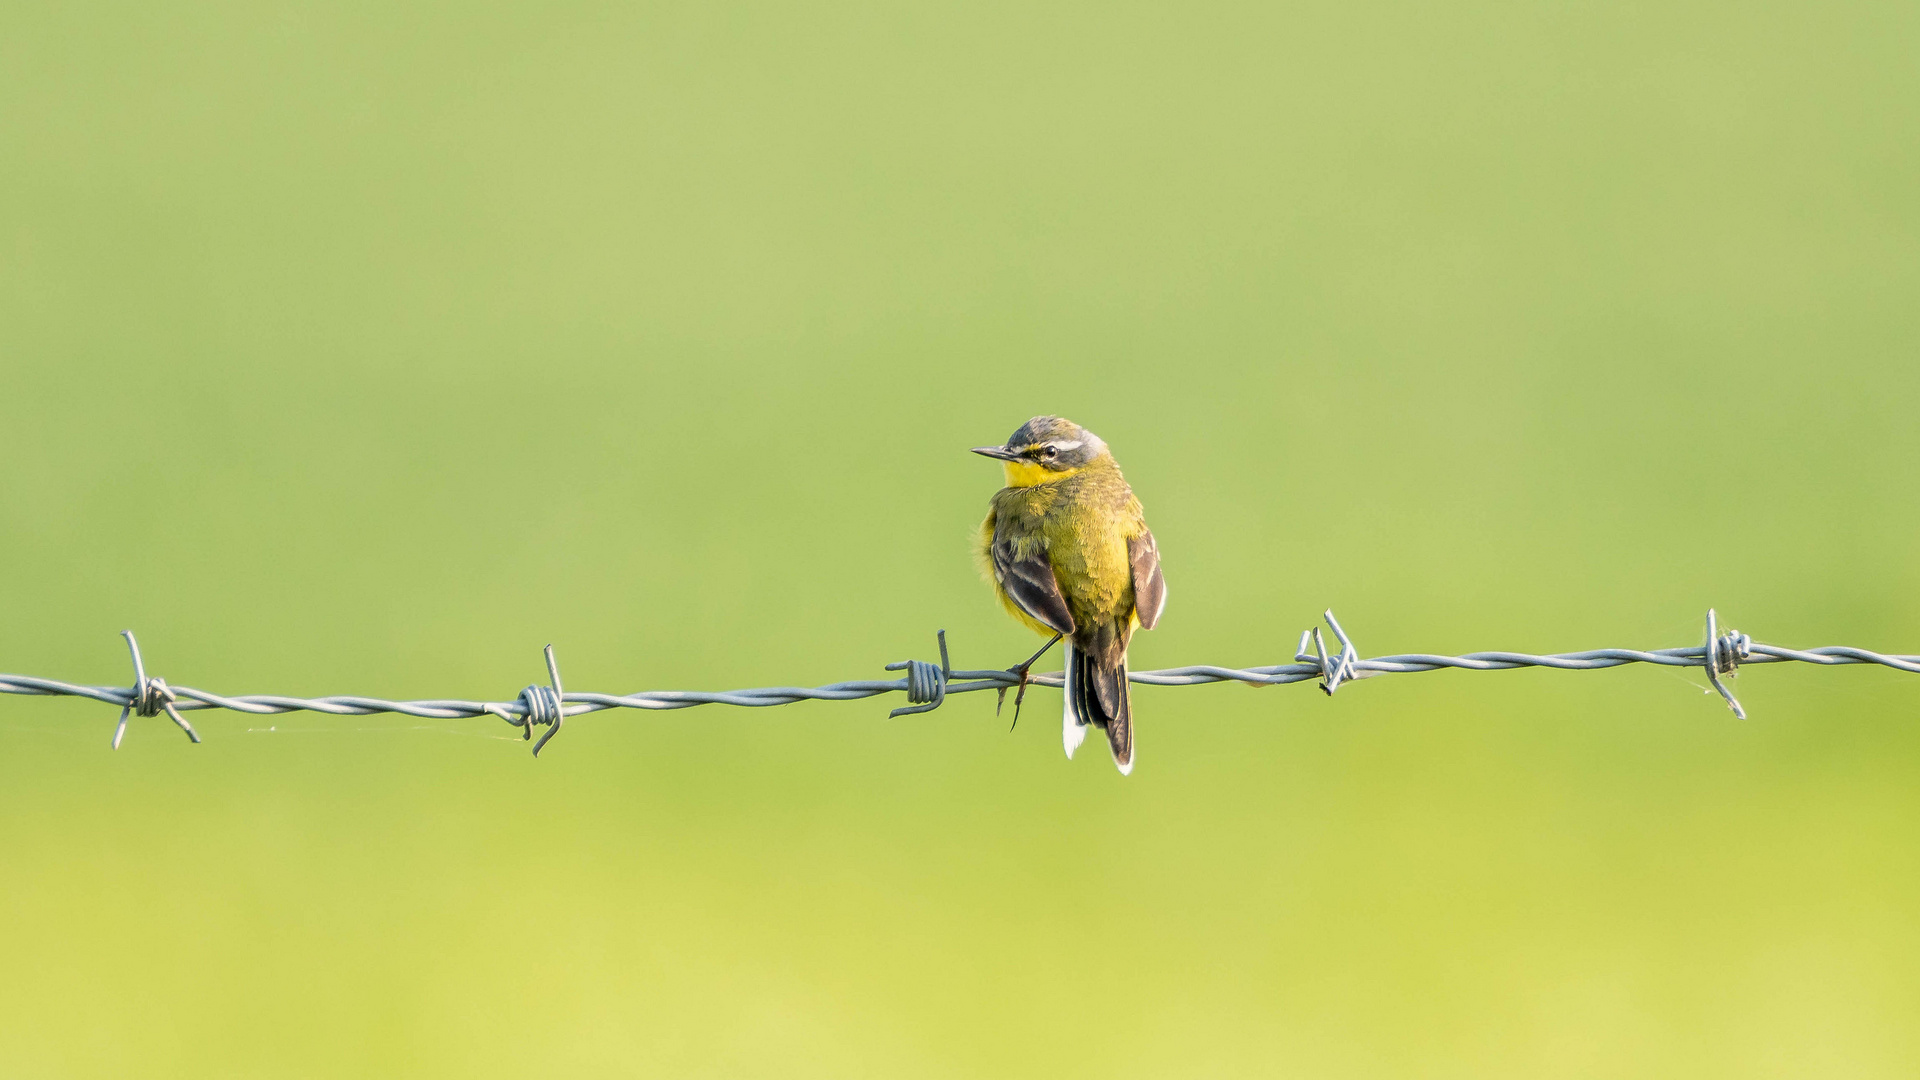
[(363, 349)]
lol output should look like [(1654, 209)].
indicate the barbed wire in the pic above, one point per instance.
[(927, 684)]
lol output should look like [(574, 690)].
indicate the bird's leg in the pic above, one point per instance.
[(1021, 670)]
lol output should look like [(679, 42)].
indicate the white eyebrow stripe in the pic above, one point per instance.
[(1074, 445)]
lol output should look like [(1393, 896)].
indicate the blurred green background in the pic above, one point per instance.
[(366, 349)]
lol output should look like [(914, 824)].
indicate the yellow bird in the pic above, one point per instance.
[(1070, 555)]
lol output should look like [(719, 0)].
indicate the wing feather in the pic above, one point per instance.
[(1149, 586), (1029, 582)]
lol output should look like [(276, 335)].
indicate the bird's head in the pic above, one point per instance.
[(1046, 448)]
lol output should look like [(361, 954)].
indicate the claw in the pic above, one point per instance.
[(1019, 696)]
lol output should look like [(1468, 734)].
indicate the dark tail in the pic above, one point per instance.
[(1102, 699)]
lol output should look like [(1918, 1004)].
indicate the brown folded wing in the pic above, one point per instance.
[(1149, 587)]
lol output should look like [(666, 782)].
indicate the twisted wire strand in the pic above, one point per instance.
[(922, 683)]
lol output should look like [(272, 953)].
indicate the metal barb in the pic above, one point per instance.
[(1724, 653), (544, 705), (1334, 670), (150, 697), (926, 685)]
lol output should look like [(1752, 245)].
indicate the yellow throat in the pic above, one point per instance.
[(1026, 474)]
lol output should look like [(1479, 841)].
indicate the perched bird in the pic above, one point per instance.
[(1070, 555)]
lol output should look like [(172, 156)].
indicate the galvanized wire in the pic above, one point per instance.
[(928, 685)]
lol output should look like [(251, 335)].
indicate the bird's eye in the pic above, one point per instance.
[(1051, 452)]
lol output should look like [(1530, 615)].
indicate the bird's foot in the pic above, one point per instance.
[(1020, 688), (1020, 694)]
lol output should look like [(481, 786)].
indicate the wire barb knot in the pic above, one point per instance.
[(150, 696), (544, 706), (926, 683), (1734, 647), (1723, 656), (1334, 670)]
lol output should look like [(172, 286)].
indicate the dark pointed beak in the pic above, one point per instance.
[(1000, 452)]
